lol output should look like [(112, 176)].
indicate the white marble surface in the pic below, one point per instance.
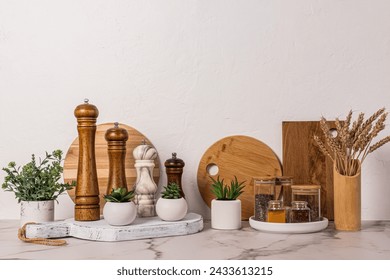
[(372, 242)]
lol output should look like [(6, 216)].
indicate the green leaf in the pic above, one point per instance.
[(225, 192), (119, 195), (31, 182), (172, 191)]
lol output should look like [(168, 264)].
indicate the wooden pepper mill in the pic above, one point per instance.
[(174, 169), (116, 144), (87, 190)]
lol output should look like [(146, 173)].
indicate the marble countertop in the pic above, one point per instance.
[(372, 242)]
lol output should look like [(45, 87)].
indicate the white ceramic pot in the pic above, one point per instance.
[(171, 209), (226, 214), (119, 213), (36, 211)]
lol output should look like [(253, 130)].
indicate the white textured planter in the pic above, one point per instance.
[(226, 214), (171, 209), (36, 211), (119, 213)]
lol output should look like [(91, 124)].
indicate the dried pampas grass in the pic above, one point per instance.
[(352, 144)]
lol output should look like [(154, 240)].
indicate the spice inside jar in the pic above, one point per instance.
[(275, 212), (312, 195), (299, 212), (264, 192)]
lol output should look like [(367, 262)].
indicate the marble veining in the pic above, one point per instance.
[(372, 242)]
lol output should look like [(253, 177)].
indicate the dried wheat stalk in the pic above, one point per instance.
[(353, 142)]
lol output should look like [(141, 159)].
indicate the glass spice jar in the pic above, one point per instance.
[(264, 189), (299, 212), (275, 212), (282, 186), (312, 195)]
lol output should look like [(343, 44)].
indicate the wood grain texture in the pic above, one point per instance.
[(174, 170), (347, 202), (305, 162), (116, 138), (87, 190), (102, 161), (241, 156)]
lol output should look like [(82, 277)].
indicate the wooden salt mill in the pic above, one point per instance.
[(87, 190), (116, 146), (174, 169)]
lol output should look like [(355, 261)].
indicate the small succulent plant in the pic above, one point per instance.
[(225, 192), (172, 191), (119, 195)]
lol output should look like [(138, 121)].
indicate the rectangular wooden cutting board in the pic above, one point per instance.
[(304, 161)]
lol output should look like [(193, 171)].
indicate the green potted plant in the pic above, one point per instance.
[(119, 209), (226, 207), (36, 186), (171, 206)]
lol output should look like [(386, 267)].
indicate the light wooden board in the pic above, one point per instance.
[(304, 161), (241, 156), (141, 228), (102, 163)]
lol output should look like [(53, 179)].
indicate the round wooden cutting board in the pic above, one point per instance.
[(241, 156), (102, 163)]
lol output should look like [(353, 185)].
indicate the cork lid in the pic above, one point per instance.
[(174, 161), (265, 180), (86, 110), (305, 187), (116, 133)]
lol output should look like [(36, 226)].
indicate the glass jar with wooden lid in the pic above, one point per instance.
[(312, 195), (264, 190)]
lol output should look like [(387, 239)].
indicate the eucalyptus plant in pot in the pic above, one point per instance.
[(36, 186), (119, 210), (171, 206), (226, 208)]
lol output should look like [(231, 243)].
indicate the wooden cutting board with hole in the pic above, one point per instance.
[(305, 162), (102, 163), (241, 156)]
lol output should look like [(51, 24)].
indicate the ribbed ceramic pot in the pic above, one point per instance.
[(171, 209), (226, 214), (119, 213), (36, 211)]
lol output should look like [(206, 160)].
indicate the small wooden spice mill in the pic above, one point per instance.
[(174, 169), (87, 206), (116, 138)]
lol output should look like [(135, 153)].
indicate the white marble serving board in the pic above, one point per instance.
[(100, 230)]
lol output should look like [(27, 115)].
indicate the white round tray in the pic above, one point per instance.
[(289, 227)]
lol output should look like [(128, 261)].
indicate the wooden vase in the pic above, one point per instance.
[(347, 201)]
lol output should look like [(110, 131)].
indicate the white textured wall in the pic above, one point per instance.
[(187, 73)]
